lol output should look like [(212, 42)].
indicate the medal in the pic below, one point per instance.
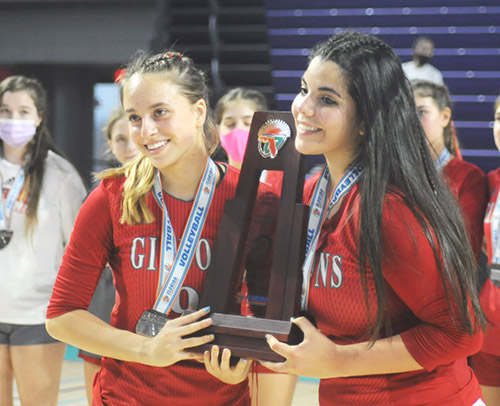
[(7, 208), (150, 323), (5, 236), (175, 263)]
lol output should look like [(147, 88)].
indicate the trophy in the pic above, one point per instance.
[(270, 148)]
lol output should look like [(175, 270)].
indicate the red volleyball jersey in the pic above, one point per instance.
[(470, 186), (416, 302), (133, 254), (489, 295)]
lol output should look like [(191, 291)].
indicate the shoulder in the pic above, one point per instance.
[(56, 164), (494, 178), (62, 179), (309, 186), (458, 170)]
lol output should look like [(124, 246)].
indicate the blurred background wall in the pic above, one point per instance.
[(75, 47)]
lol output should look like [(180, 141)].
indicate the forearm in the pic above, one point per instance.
[(87, 332), (386, 356)]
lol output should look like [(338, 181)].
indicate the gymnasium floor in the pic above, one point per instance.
[(72, 391)]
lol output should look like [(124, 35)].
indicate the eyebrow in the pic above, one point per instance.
[(153, 106), (21, 107), (325, 89)]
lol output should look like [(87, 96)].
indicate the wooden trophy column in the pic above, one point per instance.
[(270, 147)]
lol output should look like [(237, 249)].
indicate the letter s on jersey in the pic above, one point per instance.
[(328, 271)]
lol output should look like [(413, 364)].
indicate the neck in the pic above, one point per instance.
[(182, 181), (437, 149), (14, 155), (337, 167)]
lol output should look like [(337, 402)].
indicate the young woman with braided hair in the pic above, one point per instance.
[(41, 193), (467, 182), (388, 272), (133, 221)]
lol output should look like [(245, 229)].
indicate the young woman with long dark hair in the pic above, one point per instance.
[(389, 274)]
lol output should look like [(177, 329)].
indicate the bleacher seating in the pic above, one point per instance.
[(231, 41), (467, 39)]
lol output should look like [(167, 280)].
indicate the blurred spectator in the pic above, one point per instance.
[(419, 67)]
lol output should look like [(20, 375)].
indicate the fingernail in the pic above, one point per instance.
[(292, 319), (267, 336), (210, 337), (243, 360), (206, 309)]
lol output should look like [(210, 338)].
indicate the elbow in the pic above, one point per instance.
[(53, 327)]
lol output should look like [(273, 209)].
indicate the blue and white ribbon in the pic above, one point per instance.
[(174, 264), (318, 211)]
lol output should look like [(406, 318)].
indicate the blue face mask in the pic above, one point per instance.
[(16, 133)]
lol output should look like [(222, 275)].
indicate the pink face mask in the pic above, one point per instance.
[(235, 144), (16, 133)]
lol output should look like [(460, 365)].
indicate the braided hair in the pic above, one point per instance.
[(393, 150), (140, 173)]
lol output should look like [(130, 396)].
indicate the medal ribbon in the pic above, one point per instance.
[(174, 263), (15, 191), (317, 214), (443, 159)]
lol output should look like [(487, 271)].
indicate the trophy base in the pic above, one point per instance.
[(246, 336)]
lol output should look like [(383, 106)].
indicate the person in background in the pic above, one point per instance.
[(419, 68), (117, 136), (387, 275), (168, 200), (41, 193), (123, 150), (467, 182), (233, 115), (486, 363)]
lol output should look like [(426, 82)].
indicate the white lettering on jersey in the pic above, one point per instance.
[(140, 250), (137, 260), (322, 269), (203, 252), (336, 276), (329, 269), (190, 299), (152, 254)]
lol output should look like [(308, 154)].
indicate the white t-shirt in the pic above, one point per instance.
[(29, 265), (425, 72)]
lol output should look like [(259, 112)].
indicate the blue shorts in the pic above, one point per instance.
[(19, 334)]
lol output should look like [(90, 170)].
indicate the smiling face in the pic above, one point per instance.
[(325, 115), (121, 145), (165, 126)]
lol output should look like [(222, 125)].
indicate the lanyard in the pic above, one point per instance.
[(317, 214), (174, 263), (443, 159), (6, 209)]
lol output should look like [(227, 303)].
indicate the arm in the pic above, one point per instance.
[(68, 320), (71, 195), (473, 197), (86, 331), (319, 357), (411, 272)]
